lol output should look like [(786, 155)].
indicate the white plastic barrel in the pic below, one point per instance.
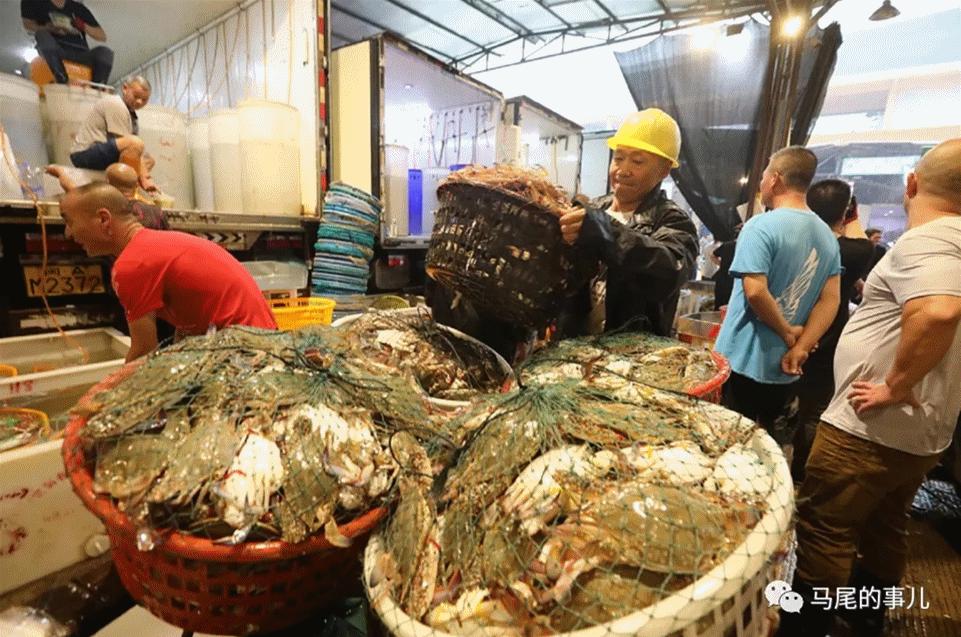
[(225, 161), (198, 134), (64, 110), (164, 134), (20, 114), (396, 165), (270, 158)]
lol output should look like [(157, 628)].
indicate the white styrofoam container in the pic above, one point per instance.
[(44, 527)]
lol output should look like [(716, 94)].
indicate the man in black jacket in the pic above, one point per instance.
[(645, 245)]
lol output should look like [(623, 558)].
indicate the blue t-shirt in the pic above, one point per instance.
[(798, 253)]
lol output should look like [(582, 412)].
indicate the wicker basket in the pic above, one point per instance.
[(201, 586), (502, 252)]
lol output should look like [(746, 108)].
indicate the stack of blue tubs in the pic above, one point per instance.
[(345, 241)]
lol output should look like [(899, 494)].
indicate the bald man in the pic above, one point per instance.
[(123, 178), (786, 272), (190, 282), (895, 406)]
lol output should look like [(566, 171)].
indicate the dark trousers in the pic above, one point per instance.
[(767, 404), (54, 53), (815, 389)]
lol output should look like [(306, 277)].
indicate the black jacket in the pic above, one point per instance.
[(648, 260)]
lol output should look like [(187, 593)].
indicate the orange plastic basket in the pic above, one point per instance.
[(711, 389), (8, 371), (201, 586), (293, 313)]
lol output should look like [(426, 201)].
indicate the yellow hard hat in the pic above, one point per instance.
[(651, 130)]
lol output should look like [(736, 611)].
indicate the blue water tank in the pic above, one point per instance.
[(415, 202)]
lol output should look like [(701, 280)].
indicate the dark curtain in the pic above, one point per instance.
[(715, 94), (817, 66)]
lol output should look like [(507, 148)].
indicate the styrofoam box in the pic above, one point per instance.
[(44, 527)]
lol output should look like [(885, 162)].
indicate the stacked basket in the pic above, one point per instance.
[(345, 241)]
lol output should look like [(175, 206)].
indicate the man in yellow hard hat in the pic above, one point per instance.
[(644, 243)]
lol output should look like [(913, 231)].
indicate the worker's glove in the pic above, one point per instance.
[(79, 24)]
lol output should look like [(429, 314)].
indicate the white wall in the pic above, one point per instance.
[(265, 51)]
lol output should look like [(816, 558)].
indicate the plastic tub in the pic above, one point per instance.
[(700, 328), (164, 132), (278, 275), (198, 136), (20, 114), (224, 128), (269, 142)]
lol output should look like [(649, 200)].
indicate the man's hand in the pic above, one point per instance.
[(793, 360), (571, 222), (792, 335), (79, 24), (56, 171), (865, 396), (147, 183)]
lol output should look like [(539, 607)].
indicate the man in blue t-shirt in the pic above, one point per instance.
[(787, 283)]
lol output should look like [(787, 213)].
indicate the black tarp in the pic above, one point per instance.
[(716, 96)]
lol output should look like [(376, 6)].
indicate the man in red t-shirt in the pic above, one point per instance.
[(189, 282)]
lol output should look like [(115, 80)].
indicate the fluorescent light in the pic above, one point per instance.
[(792, 26)]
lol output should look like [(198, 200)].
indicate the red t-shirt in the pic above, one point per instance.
[(189, 282)]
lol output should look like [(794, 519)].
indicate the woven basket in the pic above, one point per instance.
[(201, 586), (501, 251)]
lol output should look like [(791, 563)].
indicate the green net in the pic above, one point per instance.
[(569, 506), (611, 360), (254, 434)]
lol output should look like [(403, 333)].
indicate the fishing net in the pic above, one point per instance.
[(571, 507), (614, 360), (251, 434), (446, 364)]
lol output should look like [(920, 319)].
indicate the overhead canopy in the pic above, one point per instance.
[(506, 32)]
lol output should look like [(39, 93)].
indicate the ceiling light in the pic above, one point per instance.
[(742, 181), (792, 26), (28, 53), (18, 72), (705, 38), (885, 12), (408, 86)]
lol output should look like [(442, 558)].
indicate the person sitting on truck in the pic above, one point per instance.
[(61, 28), (109, 132), (189, 282), (123, 178)]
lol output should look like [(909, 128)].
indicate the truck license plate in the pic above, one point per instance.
[(64, 279)]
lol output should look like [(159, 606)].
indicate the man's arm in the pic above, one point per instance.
[(928, 328), (820, 319), (143, 336), (766, 308)]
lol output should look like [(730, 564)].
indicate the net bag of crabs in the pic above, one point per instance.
[(613, 360), (446, 364), (250, 464), (571, 509)]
